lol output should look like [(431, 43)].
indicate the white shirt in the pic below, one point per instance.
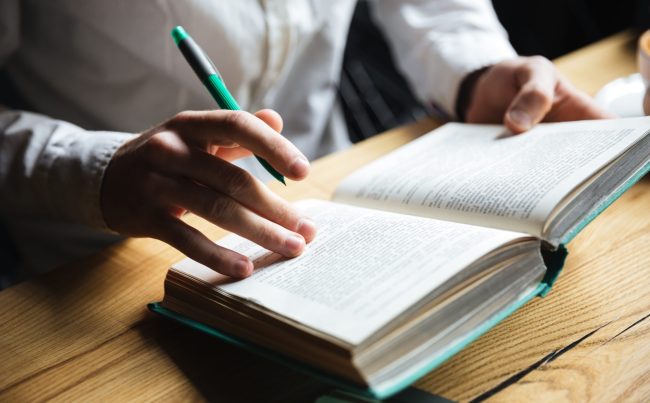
[(100, 70)]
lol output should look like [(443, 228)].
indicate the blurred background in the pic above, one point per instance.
[(376, 97)]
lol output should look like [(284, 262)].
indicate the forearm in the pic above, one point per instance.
[(53, 169)]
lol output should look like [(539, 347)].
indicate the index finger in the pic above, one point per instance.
[(247, 130)]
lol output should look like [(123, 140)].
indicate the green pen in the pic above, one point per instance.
[(210, 77)]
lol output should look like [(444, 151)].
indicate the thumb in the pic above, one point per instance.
[(529, 107), (537, 80), (271, 118)]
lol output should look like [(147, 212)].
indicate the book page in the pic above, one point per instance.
[(363, 269), (480, 174)]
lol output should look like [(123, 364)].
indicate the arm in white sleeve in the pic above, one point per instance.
[(436, 43), (48, 168), (53, 169)]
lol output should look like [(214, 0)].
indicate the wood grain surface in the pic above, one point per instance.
[(82, 333)]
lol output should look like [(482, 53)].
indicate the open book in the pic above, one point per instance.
[(419, 252)]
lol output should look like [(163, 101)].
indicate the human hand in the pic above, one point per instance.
[(525, 91), (184, 165)]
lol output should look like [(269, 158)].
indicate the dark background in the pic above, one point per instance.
[(375, 96)]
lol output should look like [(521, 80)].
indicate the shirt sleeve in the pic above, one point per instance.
[(49, 168), (436, 43), (53, 169)]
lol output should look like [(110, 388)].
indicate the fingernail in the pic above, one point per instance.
[(520, 118), (300, 167), (244, 268), (294, 244), (307, 228)]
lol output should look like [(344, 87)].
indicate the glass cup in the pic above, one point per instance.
[(644, 68)]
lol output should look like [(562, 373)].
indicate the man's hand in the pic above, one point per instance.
[(184, 165), (525, 91)]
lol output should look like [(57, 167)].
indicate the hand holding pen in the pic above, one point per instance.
[(184, 164), (210, 77)]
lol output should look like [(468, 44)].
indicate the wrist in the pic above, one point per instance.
[(466, 92)]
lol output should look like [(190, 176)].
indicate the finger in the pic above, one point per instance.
[(268, 116), (230, 128), (537, 80), (198, 247), (271, 118), (572, 104), (233, 154), (225, 212), (244, 188)]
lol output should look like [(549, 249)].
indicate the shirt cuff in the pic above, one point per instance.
[(461, 55), (97, 158), (71, 168)]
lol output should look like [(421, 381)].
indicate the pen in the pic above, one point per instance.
[(210, 77)]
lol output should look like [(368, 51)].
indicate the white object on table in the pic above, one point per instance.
[(623, 96)]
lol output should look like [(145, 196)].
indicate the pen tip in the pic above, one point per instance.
[(178, 33), (279, 177)]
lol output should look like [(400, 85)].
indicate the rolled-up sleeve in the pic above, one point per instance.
[(436, 43)]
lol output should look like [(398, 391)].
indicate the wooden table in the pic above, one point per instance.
[(83, 333)]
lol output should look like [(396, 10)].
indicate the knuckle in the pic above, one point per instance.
[(182, 117), (267, 235), (165, 147), (154, 148), (235, 121), (181, 122), (538, 94), (540, 60), (155, 141), (214, 259), (284, 213), (291, 216), (278, 145), (220, 208), (237, 181), (536, 91)]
